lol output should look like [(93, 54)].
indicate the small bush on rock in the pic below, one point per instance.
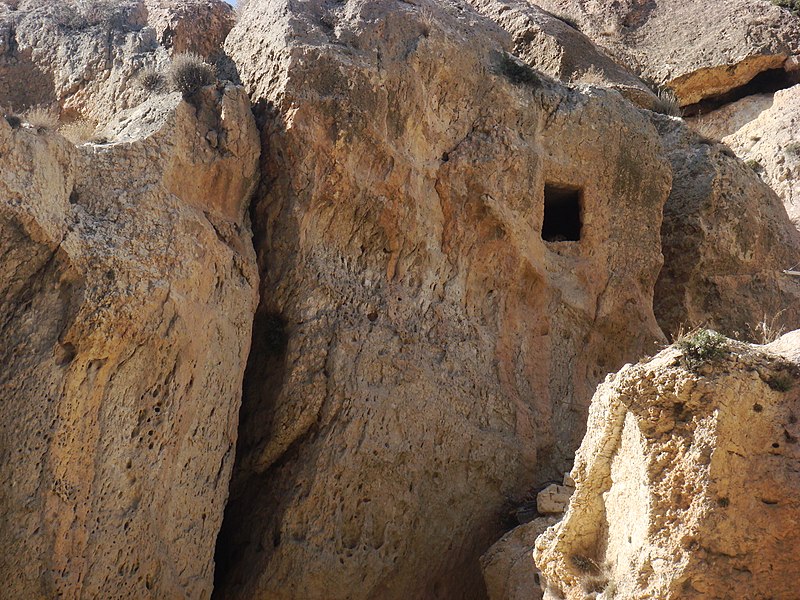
[(189, 74), (152, 80), (702, 346), (79, 131)]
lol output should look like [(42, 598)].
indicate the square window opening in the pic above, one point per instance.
[(562, 214)]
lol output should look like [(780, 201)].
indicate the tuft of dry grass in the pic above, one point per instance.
[(667, 103), (41, 118), (768, 330), (592, 76), (189, 74), (79, 131)]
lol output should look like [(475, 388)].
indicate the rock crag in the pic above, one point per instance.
[(128, 285), (687, 479)]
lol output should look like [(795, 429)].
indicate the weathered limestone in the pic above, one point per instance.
[(86, 58), (700, 49), (552, 46), (128, 288), (765, 131), (421, 352), (726, 240), (687, 481)]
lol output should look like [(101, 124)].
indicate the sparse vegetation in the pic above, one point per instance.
[(79, 131), (516, 71), (41, 118), (755, 165), (792, 5), (667, 102), (152, 80), (792, 148), (189, 74), (769, 330), (592, 76), (702, 346), (781, 382)]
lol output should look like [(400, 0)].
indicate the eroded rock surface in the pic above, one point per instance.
[(687, 482), (85, 58), (128, 287), (555, 47), (421, 353), (765, 131), (700, 49), (726, 239)]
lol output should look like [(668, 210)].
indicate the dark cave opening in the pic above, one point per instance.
[(562, 214)]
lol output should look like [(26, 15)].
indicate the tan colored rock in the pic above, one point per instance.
[(508, 568), (553, 499), (198, 26), (86, 59), (128, 295), (768, 138), (687, 484), (554, 47), (421, 352), (700, 49), (726, 240)]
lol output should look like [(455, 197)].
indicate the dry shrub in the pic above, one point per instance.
[(41, 118), (79, 131), (667, 103), (592, 76), (189, 74), (152, 80)]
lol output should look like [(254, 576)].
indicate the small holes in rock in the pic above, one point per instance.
[(563, 219), (73, 197), (757, 407), (776, 445), (373, 316), (723, 502)]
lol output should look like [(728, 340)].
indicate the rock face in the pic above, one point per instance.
[(687, 482), (128, 287), (700, 49), (555, 47), (421, 352), (86, 59), (765, 130), (726, 240), (198, 26)]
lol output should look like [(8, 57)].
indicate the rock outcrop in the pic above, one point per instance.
[(128, 287), (687, 479), (454, 249), (764, 131), (699, 49), (726, 239), (86, 58), (555, 47)]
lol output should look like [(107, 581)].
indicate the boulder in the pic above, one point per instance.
[(128, 287), (507, 566), (688, 479), (454, 250), (699, 49), (726, 239)]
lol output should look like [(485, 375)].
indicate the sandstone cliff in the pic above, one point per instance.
[(128, 286)]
